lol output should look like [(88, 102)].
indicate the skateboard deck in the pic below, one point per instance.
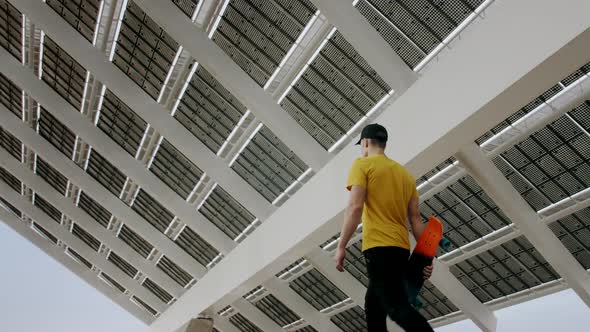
[(422, 256)]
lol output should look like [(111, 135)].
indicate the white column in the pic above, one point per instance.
[(138, 100), (369, 43), (233, 78), (88, 276), (491, 180), (80, 247)]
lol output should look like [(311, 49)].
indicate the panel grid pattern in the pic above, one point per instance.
[(276, 310), (176, 170), (95, 210), (584, 70), (208, 110), (509, 268), (11, 96), (435, 170), (334, 92), (574, 233), (144, 51), (466, 211), (122, 264), (10, 29), (551, 164), (51, 176), (46, 207), (257, 34), (105, 173), (45, 232), (113, 282), (316, 289), (86, 237), (268, 164), (226, 213), (10, 143), (120, 123), (56, 133), (174, 271), (80, 14), (186, 6), (152, 211), (60, 71), (145, 306), (351, 320), (157, 291), (10, 207), (196, 246), (135, 241), (243, 324), (435, 304), (79, 257)]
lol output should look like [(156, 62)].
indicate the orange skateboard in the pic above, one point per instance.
[(422, 256)]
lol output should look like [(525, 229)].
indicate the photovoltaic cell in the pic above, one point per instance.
[(316, 289), (80, 14)]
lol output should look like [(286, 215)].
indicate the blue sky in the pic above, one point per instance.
[(38, 294)]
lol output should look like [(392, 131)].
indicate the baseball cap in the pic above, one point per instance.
[(374, 131)]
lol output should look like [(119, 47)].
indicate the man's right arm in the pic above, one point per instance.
[(415, 219)]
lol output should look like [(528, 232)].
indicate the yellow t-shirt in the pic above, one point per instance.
[(390, 187)]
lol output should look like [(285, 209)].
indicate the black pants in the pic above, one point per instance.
[(386, 294)]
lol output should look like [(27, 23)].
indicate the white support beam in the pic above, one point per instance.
[(80, 247), (233, 78), (309, 218), (491, 180), (133, 96), (106, 237), (100, 141), (100, 194), (256, 316), (368, 43), (88, 276), (306, 311)]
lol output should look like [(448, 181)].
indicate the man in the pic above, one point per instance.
[(384, 194)]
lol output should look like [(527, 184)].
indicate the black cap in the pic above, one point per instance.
[(374, 131)]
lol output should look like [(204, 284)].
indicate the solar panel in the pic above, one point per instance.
[(46, 207), (81, 15), (292, 265), (144, 305), (554, 162), (10, 29), (158, 291), (316, 289), (61, 72), (208, 110), (10, 143), (351, 320), (79, 257), (243, 324), (152, 211), (105, 173), (120, 123), (466, 211), (176, 170), (174, 271), (574, 233), (226, 213), (86, 237), (56, 133), (44, 232), (10, 179), (10, 207), (448, 162), (355, 263), (276, 310), (257, 34), (509, 268), (95, 210), (336, 90), (51, 176), (144, 51), (196, 246), (122, 264), (584, 70), (11, 96), (135, 241), (188, 7), (112, 281), (435, 303), (268, 164)]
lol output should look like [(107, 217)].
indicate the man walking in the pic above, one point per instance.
[(383, 196)]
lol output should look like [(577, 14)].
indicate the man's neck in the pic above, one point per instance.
[(375, 152)]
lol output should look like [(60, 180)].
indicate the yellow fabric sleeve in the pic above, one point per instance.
[(357, 175)]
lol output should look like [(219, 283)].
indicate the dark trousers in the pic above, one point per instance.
[(386, 293)]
